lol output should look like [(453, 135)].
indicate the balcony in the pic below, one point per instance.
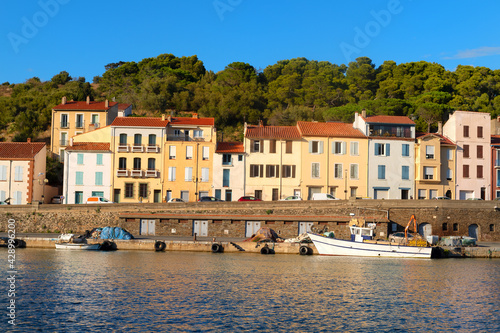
[(173, 137), (151, 173), (429, 156), (152, 149), (64, 124), (123, 148), (80, 124), (136, 173), (136, 148), (122, 173), (63, 143)]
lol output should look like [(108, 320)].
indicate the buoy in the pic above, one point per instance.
[(160, 246), (217, 248), (264, 250)]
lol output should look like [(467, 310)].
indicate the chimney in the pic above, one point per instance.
[(28, 140), (195, 116), (88, 100), (363, 113), (106, 104), (169, 118), (63, 100), (440, 127), (261, 123), (163, 117)]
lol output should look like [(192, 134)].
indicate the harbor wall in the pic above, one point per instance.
[(230, 219)]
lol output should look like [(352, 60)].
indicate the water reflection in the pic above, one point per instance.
[(189, 292)]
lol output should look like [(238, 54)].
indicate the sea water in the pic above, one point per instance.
[(140, 291)]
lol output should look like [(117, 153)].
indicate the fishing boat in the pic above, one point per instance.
[(68, 242), (362, 243)]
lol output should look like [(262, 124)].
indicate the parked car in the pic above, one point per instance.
[(57, 199), (249, 198), (474, 199), (176, 200), (323, 196), (5, 202), (209, 199), (398, 237), (442, 198), (292, 198), (98, 200)]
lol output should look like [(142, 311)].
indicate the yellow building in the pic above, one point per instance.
[(434, 166), (71, 118), (189, 149), (273, 165), (334, 160)]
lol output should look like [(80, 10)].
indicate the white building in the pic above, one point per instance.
[(391, 155), (229, 171), (87, 172), (22, 172)]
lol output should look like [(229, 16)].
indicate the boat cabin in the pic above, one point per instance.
[(359, 234)]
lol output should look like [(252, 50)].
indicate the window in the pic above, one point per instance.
[(137, 163), (122, 163), (288, 171), (316, 147), (188, 174), (445, 225), (466, 171), (18, 173), (479, 151), (171, 174), (354, 191), (95, 120), (466, 151), (225, 177), (338, 147), (479, 171), (289, 147), (258, 194), (205, 153), (433, 194), (3, 173), (129, 190), (256, 170), (79, 178), (98, 178), (226, 159), (137, 139), (218, 193), (429, 152), (272, 146), (455, 226), (64, 120), (152, 139), (79, 121), (406, 149), (143, 190), (421, 194), (466, 131), (480, 131), (354, 171), (498, 177), (240, 158), (171, 152), (189, 152), (492, 227), (64, 139), (2, 195), (198, 134), (381, 172), (204, 174), (272, 171), (151, 164), (99, 159), (337, 171), (405, 172), (123, 139), (256, 146), (449, 174), (333, 191), (61, 155), (382, 149), (354, 148), (315, 170), (450, 154), (428, 173), (79, 159)]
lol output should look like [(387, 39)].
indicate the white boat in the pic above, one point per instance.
[(77, 246), (363, 245)]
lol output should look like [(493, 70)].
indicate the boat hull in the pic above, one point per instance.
[(77, 246), (339, 247)]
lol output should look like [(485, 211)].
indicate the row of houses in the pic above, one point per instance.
[(109, 153)]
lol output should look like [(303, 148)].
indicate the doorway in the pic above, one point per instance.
[(474, 231), (147, 227), (200, 228)]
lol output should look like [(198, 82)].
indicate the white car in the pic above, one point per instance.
[(292, 198), (175, 200)]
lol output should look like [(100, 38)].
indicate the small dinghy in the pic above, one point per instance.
[(68, 242)]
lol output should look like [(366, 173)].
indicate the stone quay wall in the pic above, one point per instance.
[(229, 219)]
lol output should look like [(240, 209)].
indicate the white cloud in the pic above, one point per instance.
[(475, 53)]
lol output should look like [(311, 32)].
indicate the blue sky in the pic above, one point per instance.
[(42, 38)]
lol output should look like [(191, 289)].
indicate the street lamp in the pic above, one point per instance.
[(345, 188), (45, 181)]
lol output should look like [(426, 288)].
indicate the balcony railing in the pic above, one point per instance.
[(64, 124), (429, 156), (152, 149), (80, 124), (136, 148), (173, 137), (122, 173), (63, 143), (123, 148), (151, 173), (136, 173)]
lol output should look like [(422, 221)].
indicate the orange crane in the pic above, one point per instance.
[(414, 220)]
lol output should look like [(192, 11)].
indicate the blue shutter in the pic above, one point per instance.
[(377, 145), (79, 178), (79, 159), (225, 177), (218, 194), (381, 172), (387, 149), (99, 159), (98, 178), (405, 172), (3, 173)]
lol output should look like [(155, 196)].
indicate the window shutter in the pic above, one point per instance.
[(252, 173), (310, 147), (344, 147), (3, 173), (321, 147), (261, 146), (387, 149), (293, 171), (261, 171), (377, 149), (277, 171)]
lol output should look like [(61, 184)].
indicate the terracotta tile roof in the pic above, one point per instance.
[(229, 147), (273, 132), (140, 121), (72, 105), (123, 106), (192, 121), (308, 128), (89, 146), (20, 150), (442, 139), (389, 120)]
